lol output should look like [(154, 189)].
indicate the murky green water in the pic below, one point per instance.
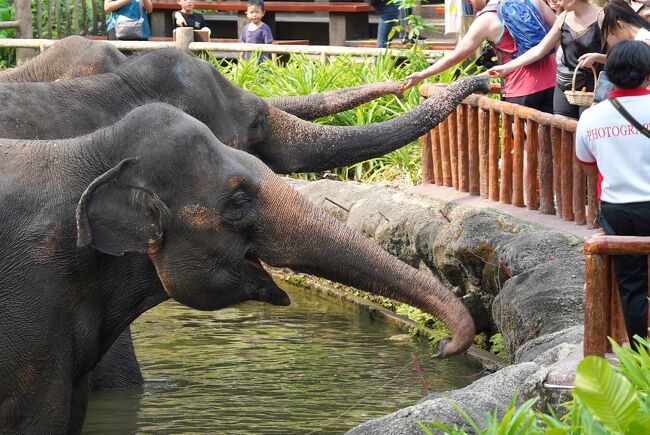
[(257, 368)]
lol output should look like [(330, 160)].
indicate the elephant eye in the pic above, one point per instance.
[(237, 207)]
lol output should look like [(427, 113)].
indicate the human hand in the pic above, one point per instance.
[(180, 21), (588, 59), (412, 80), (498, 71)]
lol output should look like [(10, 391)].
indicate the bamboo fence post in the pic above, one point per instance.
[(530, 170), (545, 155), (463, 148), (427, 162), (435, 152), (556, 146), (566, 174), (579, 191), (184, 37), (518, 164), (592, 200), (483, 150), (453, 147), (596, 306), (493, 156), (23, 11), (505, 194), (474, 186), (444, 153)]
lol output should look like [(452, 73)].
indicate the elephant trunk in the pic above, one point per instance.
[(294, 145), (302, 237), (313, 106)]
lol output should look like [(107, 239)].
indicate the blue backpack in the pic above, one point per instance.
[(523, 20)]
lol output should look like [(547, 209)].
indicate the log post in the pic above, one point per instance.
[(183, 36), (437, 159), (566, 174), (597, 306), (493, 156), (483, 152), (24, 18), (579, 191), (463, 148), (505, 195), (427, 162), (545, 153), (472, 143), (444, 153), (592, 200), (556, 147), (530, 169), (453, 145), (518, 164)]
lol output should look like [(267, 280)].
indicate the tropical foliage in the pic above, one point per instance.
[(7, 13), (301, 75), (607, 399)]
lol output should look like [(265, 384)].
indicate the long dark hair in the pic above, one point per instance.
[(619, 10)]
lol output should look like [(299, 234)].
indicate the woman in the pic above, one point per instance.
[(620, 23), (133, 9), (577, 29)]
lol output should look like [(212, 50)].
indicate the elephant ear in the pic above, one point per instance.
[(118, 214)]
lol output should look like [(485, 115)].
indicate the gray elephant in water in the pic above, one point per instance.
[(110, 224), (76, 56), (68, 108)]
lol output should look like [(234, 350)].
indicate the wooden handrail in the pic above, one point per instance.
[(603, 312), (509, 153)]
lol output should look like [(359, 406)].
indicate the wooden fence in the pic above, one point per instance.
[(511, 154), (603, 312)]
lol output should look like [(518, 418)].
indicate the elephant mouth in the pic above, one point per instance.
[(269, 291)]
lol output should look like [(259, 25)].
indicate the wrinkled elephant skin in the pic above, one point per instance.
[(108, 225)]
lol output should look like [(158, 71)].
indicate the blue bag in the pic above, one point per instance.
[(524, 22)]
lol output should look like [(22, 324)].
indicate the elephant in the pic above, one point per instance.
[(109, 224), (76, 56), (238, 118)]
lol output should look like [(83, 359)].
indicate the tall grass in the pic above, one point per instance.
[(7, 13), (301, 75)]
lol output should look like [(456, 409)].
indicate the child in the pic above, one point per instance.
[(256, 32), (187, 18)]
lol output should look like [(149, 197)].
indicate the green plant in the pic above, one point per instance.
[(7, 13), (496, 345), (412, 24), (606, 400)]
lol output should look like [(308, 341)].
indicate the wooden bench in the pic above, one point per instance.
[(347, 20)]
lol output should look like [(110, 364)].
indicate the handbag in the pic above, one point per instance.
[(619, 107), (129, 28)]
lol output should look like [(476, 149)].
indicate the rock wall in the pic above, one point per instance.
[(515, 277)]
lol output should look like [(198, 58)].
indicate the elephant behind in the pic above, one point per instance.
[(110, 224)]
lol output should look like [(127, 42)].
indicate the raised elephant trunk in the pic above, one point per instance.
[(298, 146), (315, 243), (315, 106)]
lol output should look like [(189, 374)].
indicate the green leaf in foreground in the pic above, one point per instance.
[(609, 396)]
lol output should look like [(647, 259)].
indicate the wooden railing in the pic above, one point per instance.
[(603, 312), (511, 154)]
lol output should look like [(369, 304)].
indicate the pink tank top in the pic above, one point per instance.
[(528, 79)]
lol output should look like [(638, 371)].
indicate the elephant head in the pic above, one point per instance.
[(206, 215), (284, 142)]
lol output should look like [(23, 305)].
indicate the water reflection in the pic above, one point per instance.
[(257, 368)]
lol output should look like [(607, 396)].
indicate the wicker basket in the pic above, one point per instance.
[(580, 98)]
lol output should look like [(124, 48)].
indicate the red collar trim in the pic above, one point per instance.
[(629, 92)]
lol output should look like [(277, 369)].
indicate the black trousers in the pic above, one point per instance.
[(631, 219)]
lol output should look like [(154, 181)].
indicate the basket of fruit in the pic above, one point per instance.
[(581, 97)]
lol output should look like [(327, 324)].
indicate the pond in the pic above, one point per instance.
[(318, 365)]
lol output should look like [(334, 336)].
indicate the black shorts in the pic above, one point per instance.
[(542, 100), (561, 105)]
